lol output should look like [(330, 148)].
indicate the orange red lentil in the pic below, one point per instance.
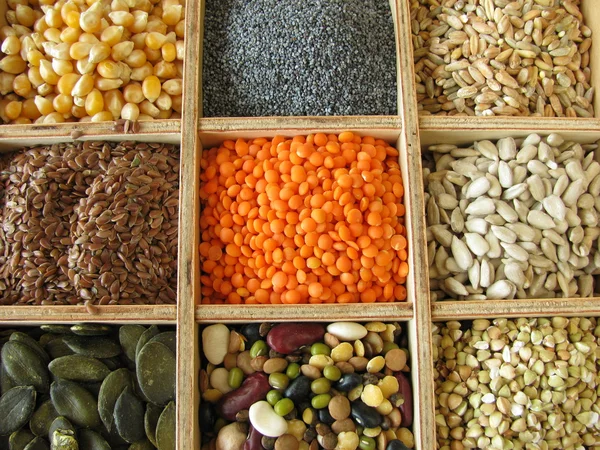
[(312, 219)]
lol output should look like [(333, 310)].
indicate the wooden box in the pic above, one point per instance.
[(407, 131)]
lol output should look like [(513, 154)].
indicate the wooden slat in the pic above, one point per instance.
[(70, 314), (292, 313), (296, 123), (455, 310)]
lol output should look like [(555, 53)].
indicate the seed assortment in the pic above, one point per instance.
[(313, 219), (289, 58), (519, 383), (89, 222), (91, 61), (87, 386), (293, 386), (513, 219), (501, 58)]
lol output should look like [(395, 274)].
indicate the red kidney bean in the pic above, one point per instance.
[(288, 337), (405, 390), (253, 389), (254, 440)]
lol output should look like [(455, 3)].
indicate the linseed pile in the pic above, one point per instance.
[(91, 221)]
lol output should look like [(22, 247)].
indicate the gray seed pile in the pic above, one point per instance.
[(313, 57)]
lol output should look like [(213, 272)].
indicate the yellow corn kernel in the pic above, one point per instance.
[(144, 5), (63, 103), (144, 117), (140, 20), (157, 12), (177, 103), (11, 17), (151, 88), (130, 111), (94, 102), (133, 93), (67, 8), (173, 87), (169, 52), (90, 20), (59, 51), (37, 38), (112, 35), (179, 66), (54, 117), (27, 45), (103, 116), (83, 86), (22, 85), (34, 76), (180, 29), (80, 50), (164, 102), (164, 114), (62, 67), (72, 19), (137, 58), (88, 38), (20, 121), (179, 45), (30, 110), (13, 64), (163, 69), (67, 83), (78, 112), (122, 18), (34, 57), (45, 89), (99, 52), (6, 31), (70, 35), (156, 25), (79, 101), (172, 14), (125, 72), (119, 5), (11, 45), (139, 40), (52, 35), (106, 84), (141, 73), (114, 102), (53, 18), (171, 37), (121, 50), (108, 69), (148, 108), (7, 81), (155, 40), (152, 55), (85, 66), (25, 15), (43, 105)]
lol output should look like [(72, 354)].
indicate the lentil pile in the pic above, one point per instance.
[(505, 58), (89, 222), (306, 386), (87, 386), (312, 219), (91, 61), (523, 383), (289, 58), (517, 218)]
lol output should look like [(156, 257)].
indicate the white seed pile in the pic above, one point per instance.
[(513, 219), (516, 384)]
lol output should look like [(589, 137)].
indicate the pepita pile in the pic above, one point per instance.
[(517, 218), (517, 383), (87, 386)]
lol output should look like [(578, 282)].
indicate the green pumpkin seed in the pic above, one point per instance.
[(78, 368), (57, 348), (110, 391), (16, 407), (91, 329), (165, 429), (75, 403), (129, 335), (129, 416), (64, 440), (38, 444), (24, 366), (141, 445), (60, 423), (144, 338), (56, 328), (94, 347), (151, 417), (32, 343), (156, 373), (6, 382), (42, 419), (113, 363), (168, 338), (19, 439), (90, 440)]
